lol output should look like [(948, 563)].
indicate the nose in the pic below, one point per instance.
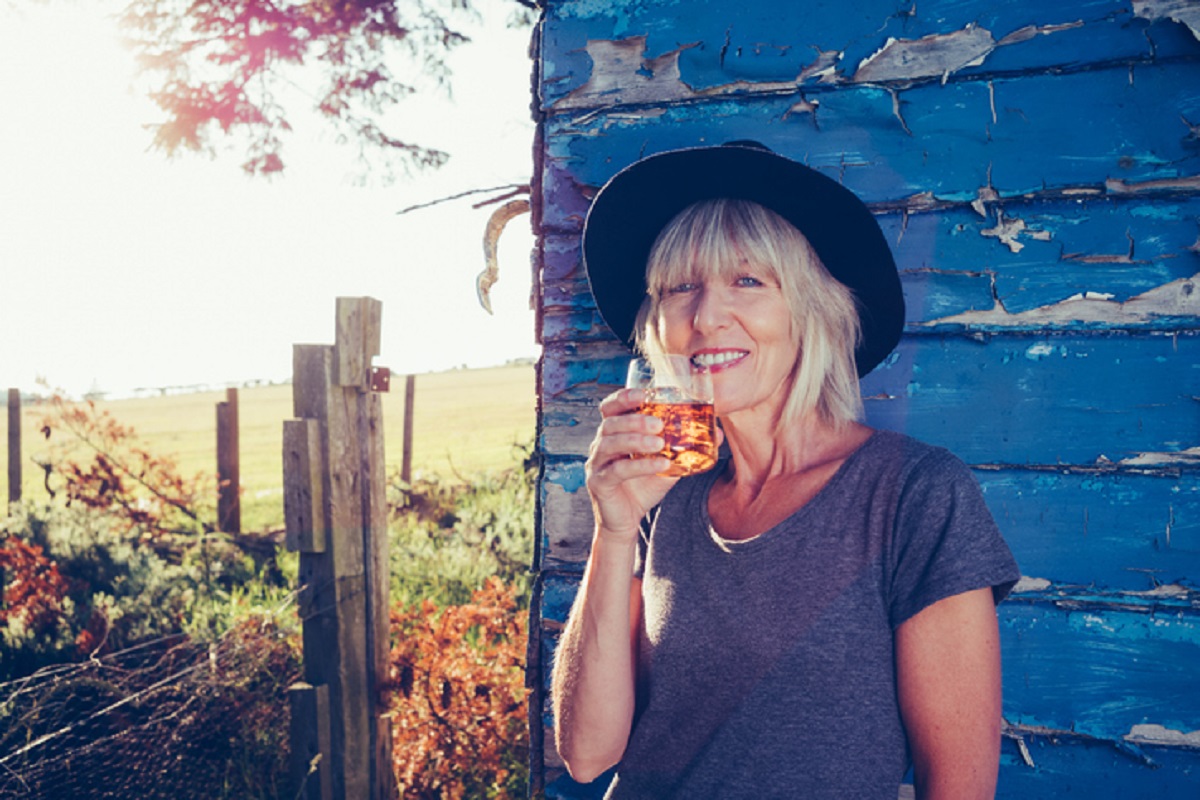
[(711, 310)]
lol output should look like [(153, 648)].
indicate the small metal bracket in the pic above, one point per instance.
[(380, 379)]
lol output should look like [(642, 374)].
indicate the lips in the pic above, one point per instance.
[(716, 360)]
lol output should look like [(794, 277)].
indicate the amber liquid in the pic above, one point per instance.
[(690, 432)]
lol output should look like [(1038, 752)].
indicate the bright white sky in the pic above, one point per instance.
[(122, 270)]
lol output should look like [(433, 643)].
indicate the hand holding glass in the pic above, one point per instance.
[(680, 394)]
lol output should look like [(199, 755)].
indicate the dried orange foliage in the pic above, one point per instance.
[(457, 690), (33, 587), (140, 490)]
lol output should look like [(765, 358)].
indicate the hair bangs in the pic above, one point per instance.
[(706, 240)]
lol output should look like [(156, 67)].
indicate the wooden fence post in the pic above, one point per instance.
[(14, 447), (336, 515), (229, 480), (410, 391)]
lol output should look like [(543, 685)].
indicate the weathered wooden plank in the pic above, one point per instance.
[(566, 517), (358, 336), (347, 451), (585, 372), (569, 314), (1042, 400), (372, 469), (711, 51), (303, 489), (560, 588), (310, 741), (1101, 666), (569, 324), (568, 430), (1117, 678), (930, 143), (14, 446), (561, 258), (1116, 530), (1062, 764), (574, 379), (229, 481), (1040, 253)]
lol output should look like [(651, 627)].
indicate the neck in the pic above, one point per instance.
[(763, 452), (771, 474)]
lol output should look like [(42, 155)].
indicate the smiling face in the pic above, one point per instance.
[(740, 290), (738, 325)]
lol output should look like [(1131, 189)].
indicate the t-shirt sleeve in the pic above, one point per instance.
[(945, 539)]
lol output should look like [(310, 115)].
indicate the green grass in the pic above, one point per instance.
[(464, 422)]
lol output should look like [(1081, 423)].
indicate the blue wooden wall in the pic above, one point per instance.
[(1036, 166)]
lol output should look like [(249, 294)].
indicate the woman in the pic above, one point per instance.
[(817, 611)]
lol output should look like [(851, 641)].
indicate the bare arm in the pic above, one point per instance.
[(595, 665), (948, 672)]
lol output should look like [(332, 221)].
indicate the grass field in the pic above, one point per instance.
[(464, 422)]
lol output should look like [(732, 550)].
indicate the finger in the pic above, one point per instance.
[(629, 423), (627, 445), (617, 471), (620, 439), (622, 401)]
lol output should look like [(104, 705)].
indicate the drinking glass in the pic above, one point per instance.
[(680, 394)]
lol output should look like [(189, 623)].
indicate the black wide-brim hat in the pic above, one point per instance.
[(637, 203)]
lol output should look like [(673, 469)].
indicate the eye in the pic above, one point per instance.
[(748, 282), (680, 288)]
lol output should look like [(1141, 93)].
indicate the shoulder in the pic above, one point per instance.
[(909, 451), (907, 461)]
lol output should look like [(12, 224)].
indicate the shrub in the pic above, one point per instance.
[(447, 539), (33, 614), (460, 558), (457, 686)]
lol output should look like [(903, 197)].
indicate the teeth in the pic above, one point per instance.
[(712, 359)]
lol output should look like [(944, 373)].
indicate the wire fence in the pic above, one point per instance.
[(172, 718)]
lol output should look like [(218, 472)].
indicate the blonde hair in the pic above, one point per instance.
[(717, 239)]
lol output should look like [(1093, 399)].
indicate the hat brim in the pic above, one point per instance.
[(636, 204)]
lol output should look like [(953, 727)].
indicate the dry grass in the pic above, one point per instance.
[(464, 422)]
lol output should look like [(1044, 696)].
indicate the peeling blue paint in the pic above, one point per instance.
[(1115, 407), (1064, 764), (1101, 670), (859, 133), (569, 476), (1117, 246), (754, 46)]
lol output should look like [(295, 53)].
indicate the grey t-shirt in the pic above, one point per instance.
[(766, 666)]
